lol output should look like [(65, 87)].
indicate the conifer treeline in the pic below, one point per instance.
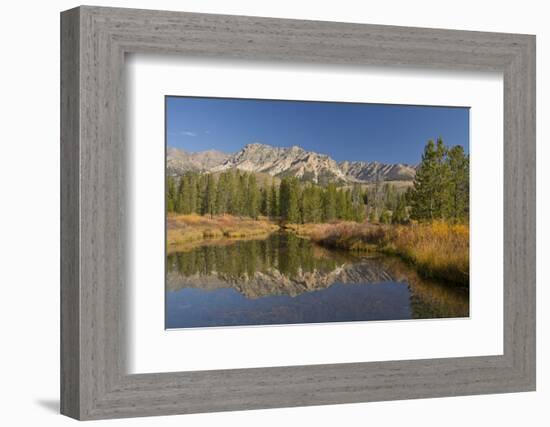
[(238, 193), (440, 191)]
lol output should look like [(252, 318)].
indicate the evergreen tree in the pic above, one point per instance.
[(425, 185), (232, 193), (193, 193), (459, 183), (241, 194), (252, 197), (209, 201), (265, 195), (340, 204), (316, 204), (274, 202), (442, 195), (376, 202), (170, 194), (305, 205), (284, 195), (389, 196), (349, 213), (186, 196), (329, 203), (399, 215), (311, 204), (220, 206), (289, 209), (202, 180), (180, 205), (295, 191), (358, 204)]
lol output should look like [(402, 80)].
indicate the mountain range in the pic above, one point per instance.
[(292, 161)]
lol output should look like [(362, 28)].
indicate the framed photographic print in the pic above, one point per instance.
[(262, 213)]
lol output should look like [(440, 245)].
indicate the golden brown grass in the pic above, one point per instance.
[(342, 234), (183, 229), (438, 250)]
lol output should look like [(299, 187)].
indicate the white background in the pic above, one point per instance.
[(153, 349), (29, 215)]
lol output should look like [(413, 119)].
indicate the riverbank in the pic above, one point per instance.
[(437, 250), (184, 229)]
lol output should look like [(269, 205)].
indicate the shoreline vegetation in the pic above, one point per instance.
[(426, 225), (437, 250), (192, 228)]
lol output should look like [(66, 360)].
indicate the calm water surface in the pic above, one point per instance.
[(284, 279)]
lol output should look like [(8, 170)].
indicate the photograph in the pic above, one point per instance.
[(286, 212)]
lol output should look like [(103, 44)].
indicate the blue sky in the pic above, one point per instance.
[(345, 131)]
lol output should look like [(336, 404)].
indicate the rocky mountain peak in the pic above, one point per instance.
[(287, 161)]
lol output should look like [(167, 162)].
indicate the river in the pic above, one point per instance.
[(285, 279)]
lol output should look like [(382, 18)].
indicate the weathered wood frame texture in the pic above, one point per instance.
[(94, 41)]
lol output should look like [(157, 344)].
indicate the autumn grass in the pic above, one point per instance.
[(183, 229), (437, 250)]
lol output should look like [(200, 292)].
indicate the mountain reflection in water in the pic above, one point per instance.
[(284, 279)]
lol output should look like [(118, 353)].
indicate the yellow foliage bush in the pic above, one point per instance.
[(438, 249)]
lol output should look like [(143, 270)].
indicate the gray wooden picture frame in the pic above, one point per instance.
[(94, 382)]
